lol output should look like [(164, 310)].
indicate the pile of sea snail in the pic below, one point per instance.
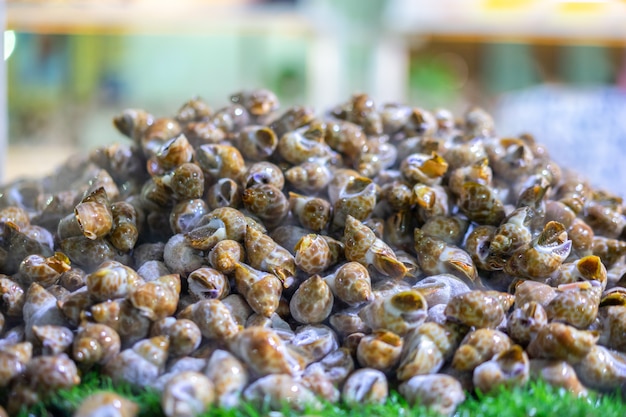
[(266, 256)]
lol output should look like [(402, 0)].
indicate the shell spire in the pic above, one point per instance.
[(364, 247)]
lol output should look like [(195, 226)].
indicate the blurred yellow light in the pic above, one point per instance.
[(508, 4), (9, 43)]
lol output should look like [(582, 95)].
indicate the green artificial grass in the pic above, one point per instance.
[(536, 399)]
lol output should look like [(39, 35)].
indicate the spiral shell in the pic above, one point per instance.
[(509, 368), (120, 315), (356, 199), (225, 254), (52, 373), (312, 302), (53, 339), (107, 404), (16, 245), (257, 143), (422, 168), (561, 341), (351, 283), (155, 195), (95, 344), (312, 212), (364, 247), (398, 312), (204, 132), (207, 283), (13, 361), (380, 350), (297, 147), (232, 118), (193, 110), (427, 348), (187, 214), (397, 194), (133, 122), (259, 102), (39, 234), (478, 172), (112, 280), (310, 176), (13, 297), (102, 179), (184, 335), (513, 233), (313, 254), (180, 256), (575, 304), (475, 308), (158, 133), (276, 391), (558, 373), (40, 308), (605, 221), (264, 352), (602, 369), (140, 364), (266, 202), (94, 215), (589, 268), (124, 229), (42, 270), (87, 253), (320, 384), (480, 204), (224, 193), (187, 394), (525, 321), (609, 250), (264, 172), (265, 254), (531, 291), (229, 376), (157, 299), (186, 181), (220, 224), (213, 317), (173, 153), (377, 156), (439, 289), (544, 257), (345, 137), (436, 257), (511, 158), (220, 161), (479, 346), (261, 290), (441, 393), (450, 229), (365, 386), (15, 215), (477, 245), (312, 342)]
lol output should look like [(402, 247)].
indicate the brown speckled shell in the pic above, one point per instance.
[(212, 317), (312, 302), (475, 308), (479, 346)]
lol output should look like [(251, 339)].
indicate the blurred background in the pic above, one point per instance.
[(553, 68)]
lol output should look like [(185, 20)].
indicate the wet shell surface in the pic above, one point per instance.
[(278, 256)]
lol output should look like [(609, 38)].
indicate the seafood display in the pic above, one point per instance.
[(285, 257)]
